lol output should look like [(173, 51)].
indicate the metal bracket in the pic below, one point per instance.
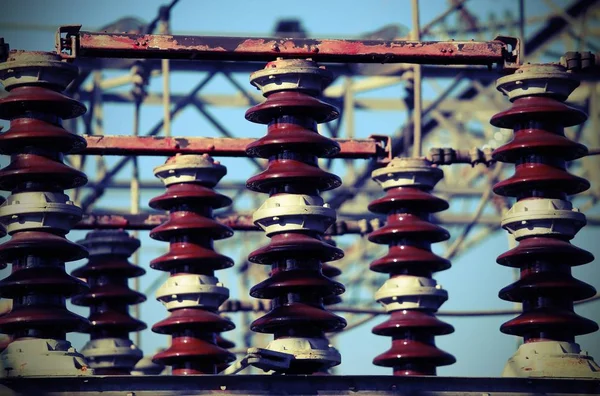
[(385, 144), (512, 58), (66, 41), (269, 360)]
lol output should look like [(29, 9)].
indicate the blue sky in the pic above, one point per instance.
[(473, 281)]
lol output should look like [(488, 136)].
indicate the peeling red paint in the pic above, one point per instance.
[(266, 49)]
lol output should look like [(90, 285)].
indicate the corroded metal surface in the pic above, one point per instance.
[(120, 45), (219, 147)]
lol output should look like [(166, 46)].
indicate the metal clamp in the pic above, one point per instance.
[(264, 359), (66, 41), (512, 58), (384, 143)]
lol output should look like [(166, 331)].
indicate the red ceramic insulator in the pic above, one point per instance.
[(539, 149), (298, 284), (411, 295), (38, 249), (193, 325)]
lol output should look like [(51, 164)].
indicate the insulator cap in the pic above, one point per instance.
[(191, 168), (41, 69)]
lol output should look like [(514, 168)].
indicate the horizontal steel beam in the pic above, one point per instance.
[(162, 385), (375, 147), (72, 43)]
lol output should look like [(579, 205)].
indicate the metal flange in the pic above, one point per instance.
[(39, 357), (111, 353), (36, 68), (291, 74), (538, 80), (401, 172), (191, 290), (551, 359), (39, 210), (190, 168), (543, 216), (411, 292), (297, 212), (110, 242), (305, 348)]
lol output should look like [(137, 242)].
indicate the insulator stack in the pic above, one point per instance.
[(37, 215), (411, 295), (295, 216), (192, 293), (110, 351), (543, 221)]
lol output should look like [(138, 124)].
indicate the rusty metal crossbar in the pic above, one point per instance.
[(375, 147), (73, 43)]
